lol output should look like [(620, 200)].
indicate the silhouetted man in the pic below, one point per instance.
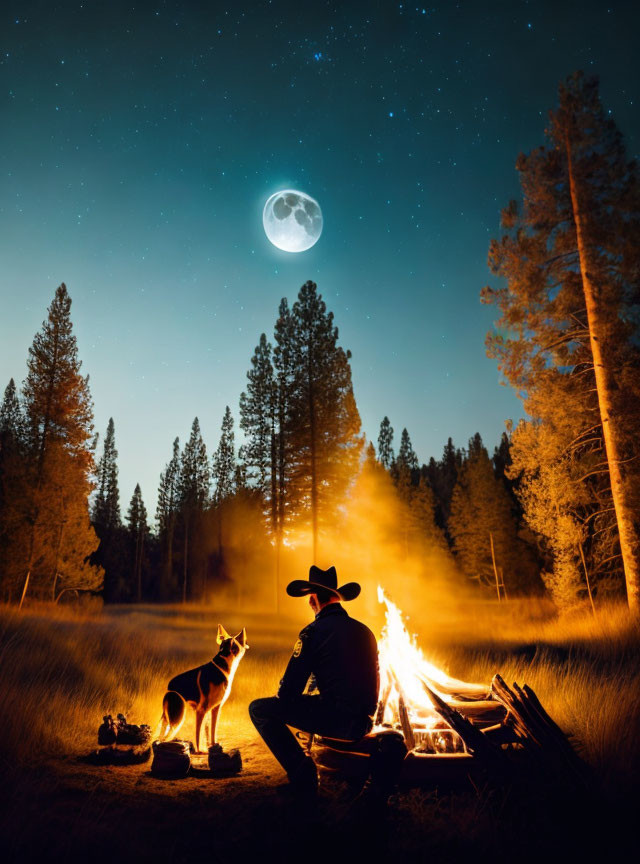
[(341, 655)]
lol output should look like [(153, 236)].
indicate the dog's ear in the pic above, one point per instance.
[(242, 637), (222, 634)]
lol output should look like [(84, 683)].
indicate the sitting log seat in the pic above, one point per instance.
[(379, 755), (362, 747), (351, 760)]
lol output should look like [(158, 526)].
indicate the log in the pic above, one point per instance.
[(488, 710), (382, 704), (475, 742), (501, 734), (405, 722), (537, 731), (458, 689)]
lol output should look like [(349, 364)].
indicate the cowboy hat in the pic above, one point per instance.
[(326, 579)]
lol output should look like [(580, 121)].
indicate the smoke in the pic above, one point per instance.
[(370, 541)]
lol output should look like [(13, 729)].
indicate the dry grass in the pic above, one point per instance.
[(62, 670)]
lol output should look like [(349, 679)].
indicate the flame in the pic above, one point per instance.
[(404, 671)]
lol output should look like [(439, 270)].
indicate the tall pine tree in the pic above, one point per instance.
[(193, 495), (385, 444), (323, 422), (13, 479), (106, 505), (284, 361), (111, 554), (224, 483), (224, 461), (166, 516), (59, 417), (407, 459), (483, 528), (138, 529), (567, 341)]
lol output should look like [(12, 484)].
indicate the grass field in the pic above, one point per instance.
[(61, 670)]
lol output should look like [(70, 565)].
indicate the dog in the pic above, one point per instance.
[(205, 688)]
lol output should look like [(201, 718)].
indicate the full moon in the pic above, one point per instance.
[(292, 220)]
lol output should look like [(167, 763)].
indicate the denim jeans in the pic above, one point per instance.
[(272, 717)]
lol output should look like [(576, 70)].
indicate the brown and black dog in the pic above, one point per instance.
[(205, 688)]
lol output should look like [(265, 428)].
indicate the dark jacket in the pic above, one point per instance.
[(342, 656)]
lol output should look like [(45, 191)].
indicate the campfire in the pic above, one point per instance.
[(448, 724), (408, 685)]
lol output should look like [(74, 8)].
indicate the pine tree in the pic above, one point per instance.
[(224, 479), (111, 554), (407, 458), (284, 361), (106, 506), (370, 455), (406, 454), (568, 342), (193, 493), (224, 461), (12, 423), (59, 418), (422, 523), (262, 407), (241, 473), (385, 444), (258, 419), (502, 460), (166, 515), (323, 421), (483, 528), (13, 480), (138, 529)]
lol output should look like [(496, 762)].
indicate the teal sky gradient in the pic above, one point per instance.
[(140, 144)]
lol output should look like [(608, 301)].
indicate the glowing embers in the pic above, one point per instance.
[(404, 701)]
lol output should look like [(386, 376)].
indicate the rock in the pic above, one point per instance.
[(223, 764)]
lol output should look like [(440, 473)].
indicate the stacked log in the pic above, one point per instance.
[(475, 741), (537, 732)]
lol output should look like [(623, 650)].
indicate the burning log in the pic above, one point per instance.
[(405, 723), (476, 743), (382, 704), (484, 712), (460, 690)]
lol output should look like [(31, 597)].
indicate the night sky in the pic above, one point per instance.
[(139, 143)]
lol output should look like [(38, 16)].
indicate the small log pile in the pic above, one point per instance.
[(536, 732)]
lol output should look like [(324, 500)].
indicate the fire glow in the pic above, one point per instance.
[(405, 675)]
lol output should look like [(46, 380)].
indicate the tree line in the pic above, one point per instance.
[(302, 449), (556, 507)]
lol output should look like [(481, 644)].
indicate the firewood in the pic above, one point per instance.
[(501, 734), (475, 742), (537, 731), (458, 689), (405, 723), (382, 704), (487, 710)]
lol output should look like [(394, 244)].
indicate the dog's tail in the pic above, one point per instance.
[(174, 710)]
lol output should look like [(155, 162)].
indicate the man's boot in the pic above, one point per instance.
[(385, 768), (302, 787)]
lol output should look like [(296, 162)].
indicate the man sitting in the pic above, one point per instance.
[(341, 656)]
